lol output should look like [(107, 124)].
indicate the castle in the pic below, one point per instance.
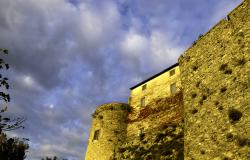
[(197, 109)]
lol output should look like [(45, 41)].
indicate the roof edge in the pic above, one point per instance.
[(152, 77)]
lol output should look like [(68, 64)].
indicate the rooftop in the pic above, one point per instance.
[(165, 70)]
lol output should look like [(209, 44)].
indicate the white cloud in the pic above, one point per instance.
[(66, 58), (96, 24), (163, 51), (51, 106), (153, 51), (134, 44), (28, 81)]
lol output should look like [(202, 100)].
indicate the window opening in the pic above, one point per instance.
[(141, 134), (173, 88), (172, 72), (141, 131), (96, 135), (143, 102)]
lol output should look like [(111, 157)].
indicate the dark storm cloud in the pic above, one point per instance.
[(36, 48), (69, 56)]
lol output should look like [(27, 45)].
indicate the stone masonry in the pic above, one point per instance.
[(215, 76), (206, 118)]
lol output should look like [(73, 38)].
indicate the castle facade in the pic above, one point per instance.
[(207, 91)]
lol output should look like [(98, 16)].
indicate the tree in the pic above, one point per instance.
[(50, 158), (10, 148), (6, 123)]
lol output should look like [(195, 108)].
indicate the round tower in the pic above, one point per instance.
[(108, 131)]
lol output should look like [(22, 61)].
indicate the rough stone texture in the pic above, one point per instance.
[(157, 113), (162, 120), (163, 143), (215, 76), (159, 87), (215, 80), (110, 119), (162, 138)]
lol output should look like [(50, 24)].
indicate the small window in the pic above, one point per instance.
[(173, 88), (141, 131), (141, 134), (96, 135), (172, 72), (144, 87), (143, 102)]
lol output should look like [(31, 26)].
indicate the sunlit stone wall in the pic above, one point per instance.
[(110, 120), (214, 79), (215, 76), (156, 88)]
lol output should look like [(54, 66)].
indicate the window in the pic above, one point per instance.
[(141, 131), (144, 87), (143, 102), (172, 72), (141, 134), (173, 88), (96, 135)]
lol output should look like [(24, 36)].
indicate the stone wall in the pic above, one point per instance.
[(110, 120), (158, 87), (214, 82), (163, 143), (161, 122), (215, 76), (156, 113)]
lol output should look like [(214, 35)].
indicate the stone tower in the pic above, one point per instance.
[(108, 131)]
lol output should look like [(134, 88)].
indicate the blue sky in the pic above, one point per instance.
[(69, 56)]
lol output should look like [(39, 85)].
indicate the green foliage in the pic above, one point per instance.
[(10, 148), (6, 123)]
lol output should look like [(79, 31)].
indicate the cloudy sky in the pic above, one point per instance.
[(69, 56)]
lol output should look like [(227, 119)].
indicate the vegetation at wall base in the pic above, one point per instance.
[(166, 142)]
